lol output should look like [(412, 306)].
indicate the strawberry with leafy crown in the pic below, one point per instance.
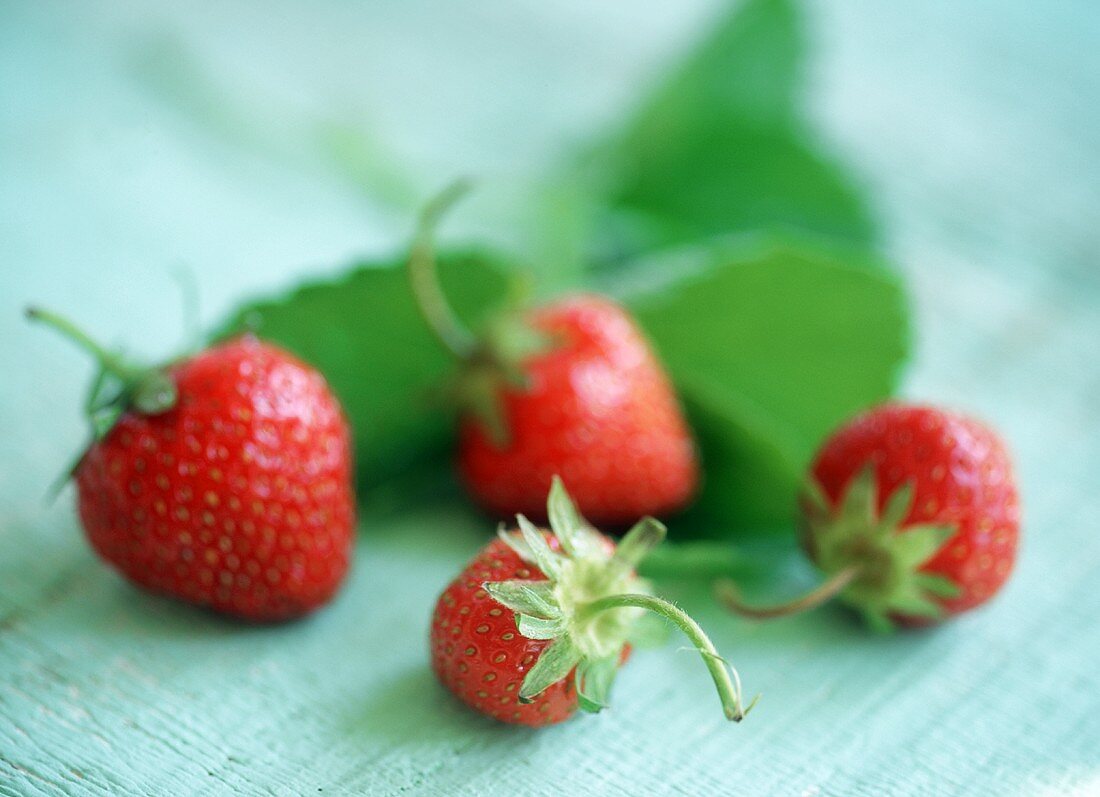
[(570, 388), (222, 479), (538, 623), (912, 513)]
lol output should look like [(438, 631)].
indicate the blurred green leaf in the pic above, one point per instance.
[(364, 333), (772, 342), (771, 338), (721, 146), (750, 66)]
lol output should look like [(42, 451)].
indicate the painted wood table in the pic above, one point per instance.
[(977, 127)]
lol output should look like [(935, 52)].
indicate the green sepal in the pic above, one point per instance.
[(642, 538), (516, 542), (475, 390), (118, 386), (593, 681), (534, 598), (917, 544), (576, 535), (858, 506), (498, 363), (877, 621), (546, 560), (586, 569), (915, 605), (154, 393), (897, 508), (540, 627), (507, 339), (104, 420), (888, 553), (939, 586), (552, 665)]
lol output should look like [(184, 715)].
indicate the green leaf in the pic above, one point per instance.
[(738, 178), (772, 344), (535, 598), (721, 146), (748, 67), (553, 664), (702, 559), (364, 333)]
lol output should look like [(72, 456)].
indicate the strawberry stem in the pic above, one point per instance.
[(424, 278), (730, 597), (725, 677), (148, 390), (111, 363)]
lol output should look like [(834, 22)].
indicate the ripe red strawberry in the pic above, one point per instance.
[(598, 409), (538, 623), (223, 479), (570, 388), (912, 511)]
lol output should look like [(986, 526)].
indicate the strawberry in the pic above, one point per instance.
[(538, 623), (598, 408), (223, 479), (572, 387), (913, 513)]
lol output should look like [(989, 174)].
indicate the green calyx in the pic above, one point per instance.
[(874, 561), (118, 385), (590, 605), (492, 360)]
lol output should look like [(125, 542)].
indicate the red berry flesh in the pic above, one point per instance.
[(539, 623), (961, 478), (477, 651), (599, 410), (239, 498)]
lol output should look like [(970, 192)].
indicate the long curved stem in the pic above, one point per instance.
[(109, 361), (729, 688), (430, 299), (730, 597)]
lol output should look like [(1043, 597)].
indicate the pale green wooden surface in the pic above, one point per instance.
[(977, 126)]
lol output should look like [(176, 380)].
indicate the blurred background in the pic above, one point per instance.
[(272, 138), (255, 144)]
